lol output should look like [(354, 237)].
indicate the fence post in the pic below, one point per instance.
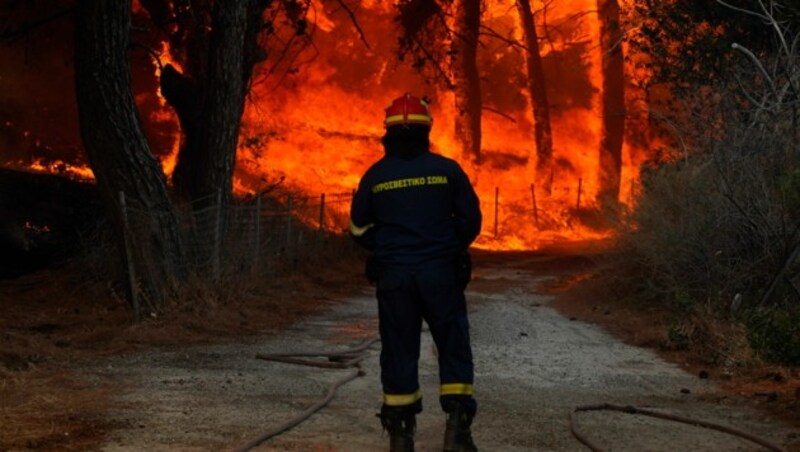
[(580, 189), (133, 291), (257, 249), (535, 208), (217, 245), (496, 208)]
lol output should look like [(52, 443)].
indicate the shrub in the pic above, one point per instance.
[(721, 222)]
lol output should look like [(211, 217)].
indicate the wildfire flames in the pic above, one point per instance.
[(319, 127), (323, 132)]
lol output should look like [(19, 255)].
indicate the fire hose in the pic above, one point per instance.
[(670, 417), (352, 358), (336, 360)]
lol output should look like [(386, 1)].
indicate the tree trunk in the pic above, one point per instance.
[(115, 144), (613, 102), (466, 80), (543, 133), (211, 111)]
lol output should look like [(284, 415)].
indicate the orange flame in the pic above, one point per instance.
[(323, 132), (319, 127), (76, 172)]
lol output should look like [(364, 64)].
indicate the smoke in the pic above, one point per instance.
[(38, 114)]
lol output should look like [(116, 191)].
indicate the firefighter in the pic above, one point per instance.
[(418, 214)]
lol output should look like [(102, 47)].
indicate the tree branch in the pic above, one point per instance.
[(758, 64), (354, 21), (498, 112), (494, 34)]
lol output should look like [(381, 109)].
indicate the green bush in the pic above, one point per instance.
[(717, 221), (775, 335)]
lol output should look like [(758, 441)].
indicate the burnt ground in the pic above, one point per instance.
[(75, 373)]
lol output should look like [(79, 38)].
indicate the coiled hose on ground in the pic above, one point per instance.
[(335, 360)]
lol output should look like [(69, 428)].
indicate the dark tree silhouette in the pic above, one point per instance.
[(613, 101), (466, 80), (441, 37), (115, 144), (218, 44), (538, 93)]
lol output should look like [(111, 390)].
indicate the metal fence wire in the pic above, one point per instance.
[(271, 233), (253, 233)]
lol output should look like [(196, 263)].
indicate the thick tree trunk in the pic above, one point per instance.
[(466, 80), (218, 51), (116, 146), (211, 113), (538, 93), (613, 102)]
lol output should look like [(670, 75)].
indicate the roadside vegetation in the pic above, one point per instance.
[(55, 321), (714, 235)]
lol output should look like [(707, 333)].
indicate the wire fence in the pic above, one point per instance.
[(260, 235), (254, 232), (272, 234)]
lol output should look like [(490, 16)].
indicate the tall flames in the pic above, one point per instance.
[(318, 128), (322, 132)]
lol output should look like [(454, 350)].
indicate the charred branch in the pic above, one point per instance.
[(540, 104), (613, 102), (499, 113), (466, 78), (181, 92), (150, 51), (490, 32), (354, 21), (253, 52)]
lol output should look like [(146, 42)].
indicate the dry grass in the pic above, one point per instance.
[(51, 408), (53, 321), (702, 342)]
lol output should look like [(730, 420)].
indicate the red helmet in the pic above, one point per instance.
[(408, 109)]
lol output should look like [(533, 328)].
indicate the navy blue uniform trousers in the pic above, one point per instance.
[(406, 296)]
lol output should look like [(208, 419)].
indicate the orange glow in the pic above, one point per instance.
[(322, 132), (77, 172), (317, 127), (165, 113)]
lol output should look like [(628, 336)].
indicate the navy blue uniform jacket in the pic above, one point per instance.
[(415, 211)]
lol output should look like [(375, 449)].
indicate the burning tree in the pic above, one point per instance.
[(613, 101), (217, 46), (218, 43), (312, 113), (434, 32), (466, 79), (117, 148), (543, 134)]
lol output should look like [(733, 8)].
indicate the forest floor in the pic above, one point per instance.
[(75, 374)]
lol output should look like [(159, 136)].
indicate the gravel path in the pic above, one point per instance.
[(533, 366)]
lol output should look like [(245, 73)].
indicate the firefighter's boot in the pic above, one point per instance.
[(457, 434), (401, 425)]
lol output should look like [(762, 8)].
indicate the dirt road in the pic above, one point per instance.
[(533, 366)]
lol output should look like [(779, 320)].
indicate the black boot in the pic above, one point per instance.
[(457, 435), (400, 424)]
